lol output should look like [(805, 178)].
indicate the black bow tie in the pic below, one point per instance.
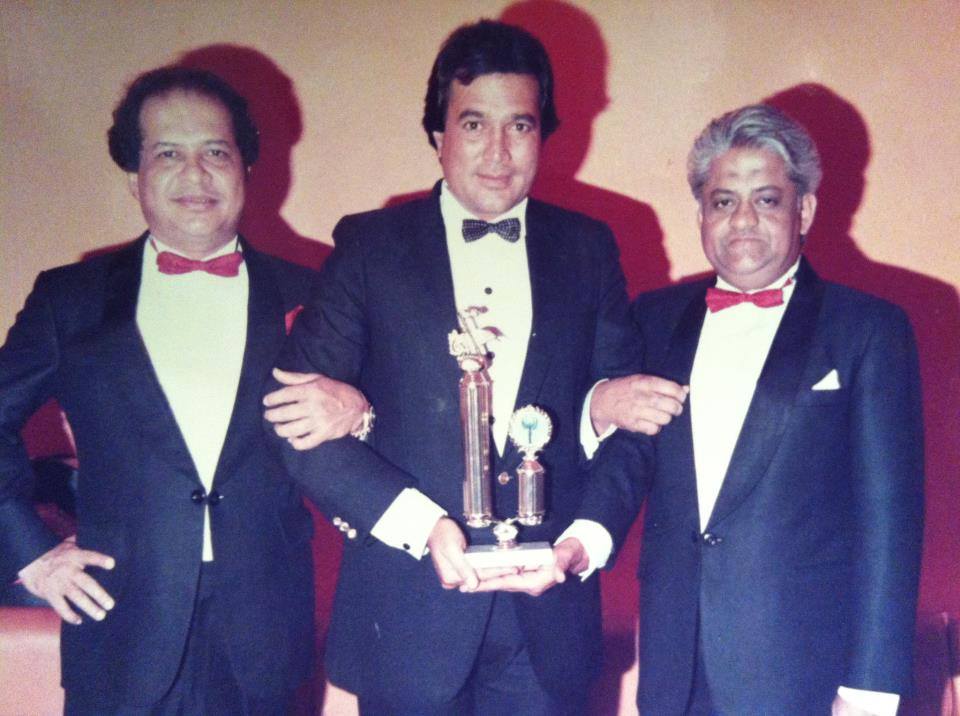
[(473, 229)]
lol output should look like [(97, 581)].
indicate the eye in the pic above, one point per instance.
[(523, 127), (721, 203), (769, 202), (471, 125), (168, 154)]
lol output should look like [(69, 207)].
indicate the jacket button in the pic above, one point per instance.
[(213, 499), (503, 478), (711, 539), (198, 496)]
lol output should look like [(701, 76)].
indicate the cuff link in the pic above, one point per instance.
[(344, 527)]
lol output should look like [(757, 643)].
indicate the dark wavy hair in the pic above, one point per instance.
[(484, 48), (125, 138)]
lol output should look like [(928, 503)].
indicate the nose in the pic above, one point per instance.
[(745, 215), (497, 147), (194, 168)]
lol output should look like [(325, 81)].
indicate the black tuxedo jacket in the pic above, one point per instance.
[(805, 577), (76, 339), (380, 319)]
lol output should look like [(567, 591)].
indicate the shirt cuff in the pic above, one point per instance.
[(596, 541), (407, 523), (880, 703), (589, 440)]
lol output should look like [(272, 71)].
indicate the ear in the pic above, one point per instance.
[(438, 140), (808, 207), (133, 184)]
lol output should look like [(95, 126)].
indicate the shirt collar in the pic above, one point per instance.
[(227, 248), (454, 213)]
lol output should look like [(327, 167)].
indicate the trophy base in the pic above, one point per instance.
[(528, 555)]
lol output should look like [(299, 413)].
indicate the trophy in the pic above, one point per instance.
[(530, 429)]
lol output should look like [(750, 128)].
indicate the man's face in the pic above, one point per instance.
[(491, 142), (751, 219), (191, 175)]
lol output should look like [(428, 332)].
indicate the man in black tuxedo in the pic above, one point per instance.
[(191, 565), (388, 297), (783, 525)]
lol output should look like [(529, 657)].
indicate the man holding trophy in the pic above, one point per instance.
[(448, 313)]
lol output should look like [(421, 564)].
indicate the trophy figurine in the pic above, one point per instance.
[(530, 429)]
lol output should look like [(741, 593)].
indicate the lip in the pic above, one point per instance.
[(196, 202), (495, 181)]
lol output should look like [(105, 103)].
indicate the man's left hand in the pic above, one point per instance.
[(638, 403), (311, 408), (568, 556)]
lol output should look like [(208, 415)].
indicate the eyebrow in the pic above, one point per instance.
[(206, 142), (477, 114)]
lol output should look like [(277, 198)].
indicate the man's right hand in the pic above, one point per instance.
[(638, 403), (312, 408), (447, 544), (58, 576)]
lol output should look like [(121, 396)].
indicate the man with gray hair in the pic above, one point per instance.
[(784, 512)]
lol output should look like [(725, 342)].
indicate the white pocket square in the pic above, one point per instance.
[(831, 381)]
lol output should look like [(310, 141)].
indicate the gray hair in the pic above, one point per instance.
[(757, 126)]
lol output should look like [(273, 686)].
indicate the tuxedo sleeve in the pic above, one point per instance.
[(28, 363), (617, 474), (344, 477), (618, 480), (886, 451)]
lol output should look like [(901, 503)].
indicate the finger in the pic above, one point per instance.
[(294, 429), (308, 442), (63, 609), (645, 427), (665, 387), (92, 588), (283, 396), (92, 558), (286, 412), (462, 573), (82, 601), (289, 377)]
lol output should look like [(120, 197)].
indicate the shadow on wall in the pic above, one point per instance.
[(276, 110), (844, 143)]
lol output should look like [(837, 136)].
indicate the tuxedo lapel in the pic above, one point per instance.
[(774, 396), (264, 337), (548, 285), (674, 444), (128, 363)]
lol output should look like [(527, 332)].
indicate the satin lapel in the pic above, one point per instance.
[(548, 286), (674, 444), (265, 335), (774, 396), (131, 372), (423, 271)]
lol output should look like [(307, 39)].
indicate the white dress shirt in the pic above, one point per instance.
[(194, 326)]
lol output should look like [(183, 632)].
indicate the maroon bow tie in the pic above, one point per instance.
[(718, 298), (227, 265)]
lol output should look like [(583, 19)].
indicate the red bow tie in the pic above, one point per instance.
[(226, 265), (718, 298)]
